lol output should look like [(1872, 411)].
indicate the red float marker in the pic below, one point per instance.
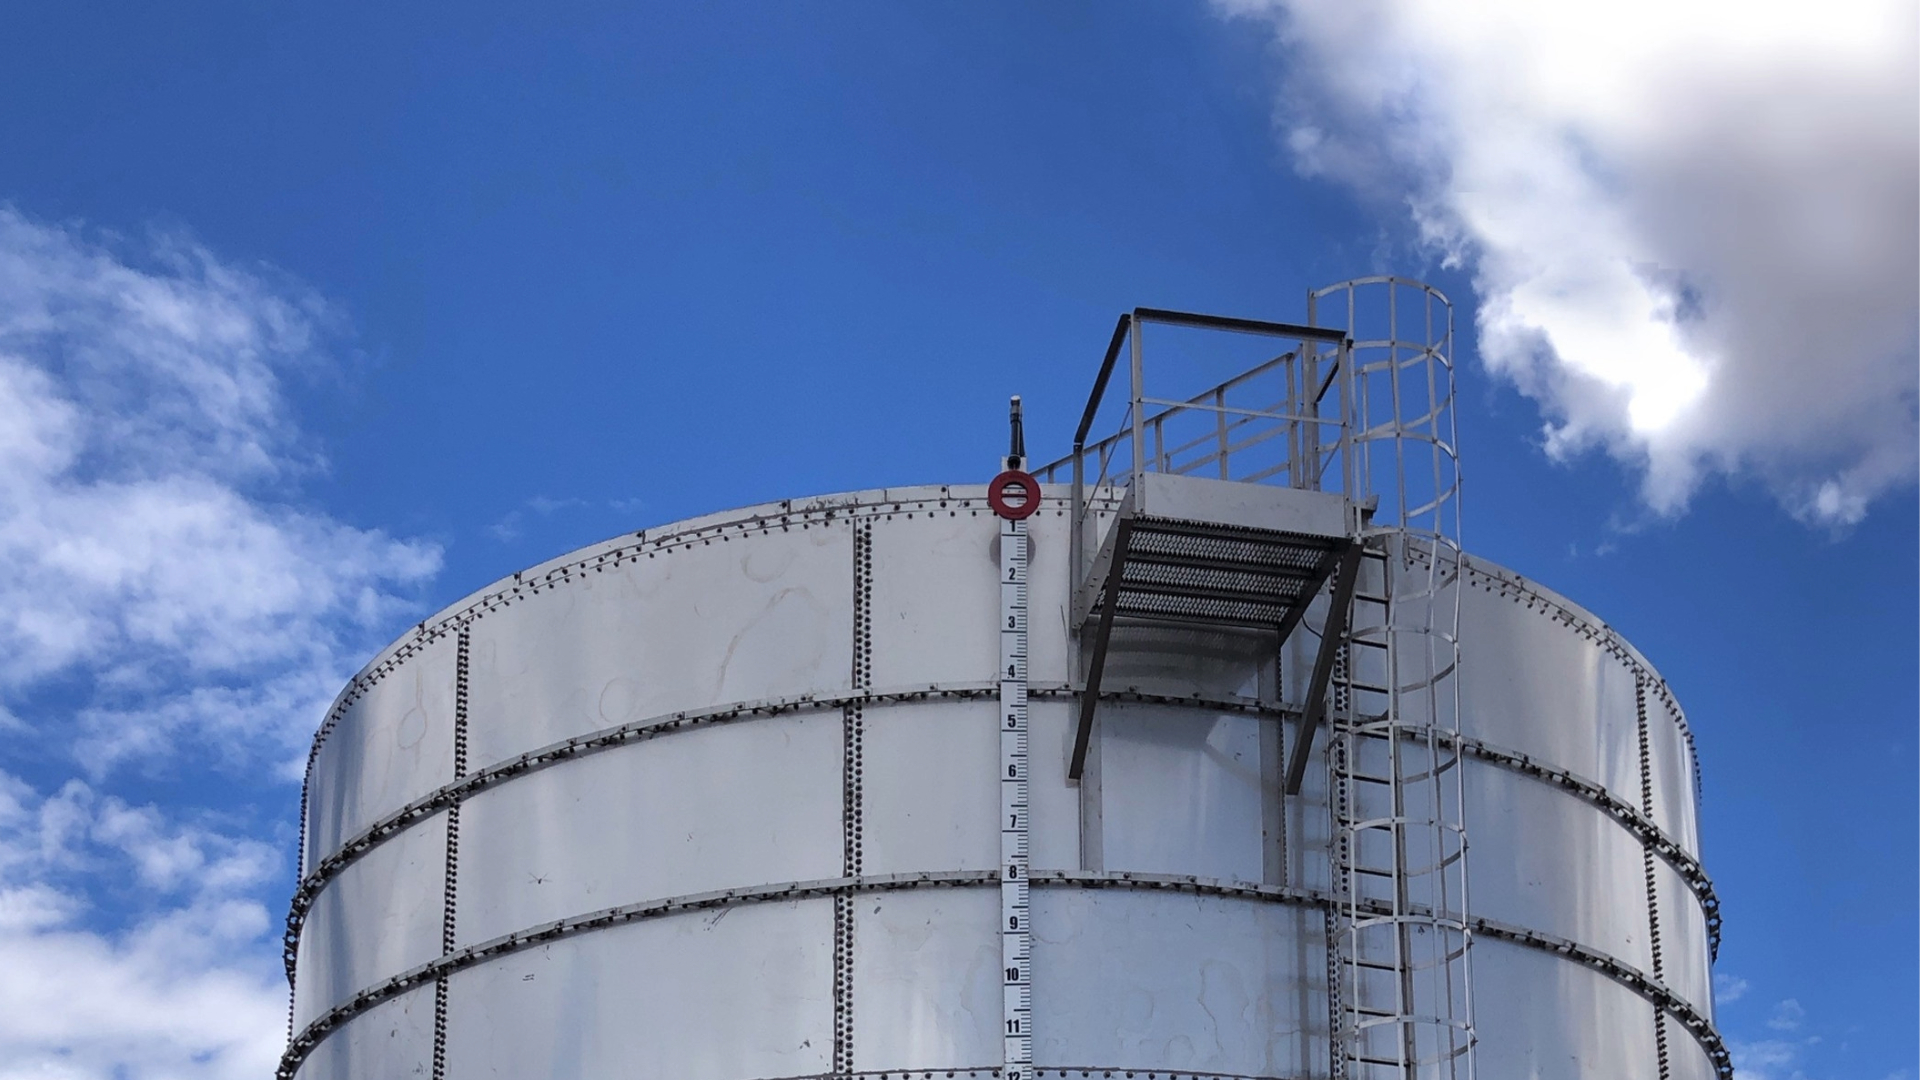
[(1014, 495)]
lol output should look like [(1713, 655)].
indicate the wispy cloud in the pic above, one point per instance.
[(1788, 1015), (510, 527), (147, 541), (162, 588), (1728, 989), (513, 523), (1692, 234), (1766, 1059), (1787, 1050)]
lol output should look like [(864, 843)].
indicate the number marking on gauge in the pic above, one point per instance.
[(1016, 939)]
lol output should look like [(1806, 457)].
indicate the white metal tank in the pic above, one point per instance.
[(728, 800)]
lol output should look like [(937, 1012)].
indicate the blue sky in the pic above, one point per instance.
[(315, 320)]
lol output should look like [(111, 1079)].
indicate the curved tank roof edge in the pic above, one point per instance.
[(869, 497), (752, 511)]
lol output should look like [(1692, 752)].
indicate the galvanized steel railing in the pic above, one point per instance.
[(1272, 423)]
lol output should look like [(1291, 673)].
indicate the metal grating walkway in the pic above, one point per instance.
[(1216, 574), (1168, 570)]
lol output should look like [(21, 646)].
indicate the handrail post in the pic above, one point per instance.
[(1220, 427), (1076, 524), (1350, 469), (1076, 518), (1309, 477), (1138, 407)]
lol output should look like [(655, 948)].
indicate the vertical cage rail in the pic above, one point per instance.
[(1401, 941)]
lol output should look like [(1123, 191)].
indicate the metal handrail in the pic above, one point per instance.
[(1306, 464)]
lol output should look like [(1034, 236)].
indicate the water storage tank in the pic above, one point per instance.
[(728, 799)]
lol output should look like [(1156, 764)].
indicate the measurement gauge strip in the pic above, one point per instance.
[(1016, 939)]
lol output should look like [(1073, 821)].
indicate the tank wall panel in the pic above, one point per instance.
[(1683, 940), (738, 620), (940, 818), (1674, 800), (905, 1020), (717, 995), (1172, 982), (1547, 860), (1180, 792), (1544, 1018), (1687, 1057), (380, 917), (1055, 804), (1532, 685), (392, 1039), (388, 748), (713, 808), (935, 597), (1183, 662), (1308, 826), (935, 601), (1049, 599)]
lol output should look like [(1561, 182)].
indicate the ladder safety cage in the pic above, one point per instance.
[(1400, 939)]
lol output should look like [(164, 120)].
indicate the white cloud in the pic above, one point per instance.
[(1691, 226), (189, 988), (146, 541), (160, 588)]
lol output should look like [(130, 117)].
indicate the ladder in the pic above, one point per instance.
[(1398, 938)]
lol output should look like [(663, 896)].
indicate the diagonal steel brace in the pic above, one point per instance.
[(1332, 636), (1109, 600)]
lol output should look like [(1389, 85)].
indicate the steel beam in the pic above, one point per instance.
[(1330, 638), (1299, 609), (1102, 634), (1243, 326)]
